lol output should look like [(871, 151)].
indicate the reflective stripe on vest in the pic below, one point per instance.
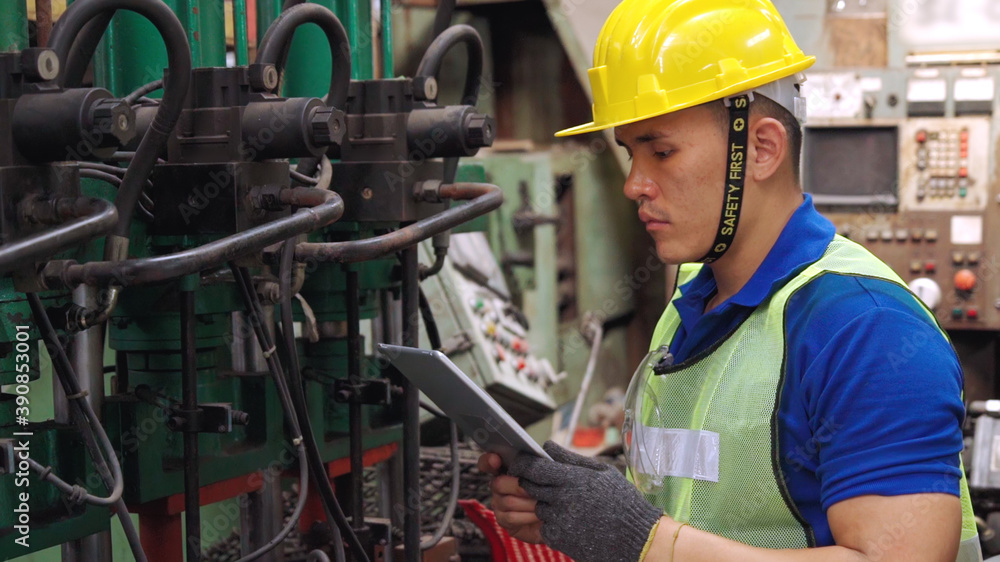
[(733, 389)]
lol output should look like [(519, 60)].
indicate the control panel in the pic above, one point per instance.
[(944, 164), (955, 280), (940, 235), (485, 334)]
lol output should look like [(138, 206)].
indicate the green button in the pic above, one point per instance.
[(962, 192), (957, 313)]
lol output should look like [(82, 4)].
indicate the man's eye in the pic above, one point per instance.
[(663, 155)]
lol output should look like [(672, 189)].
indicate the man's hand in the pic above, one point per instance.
[(514, 508), (588, 509)]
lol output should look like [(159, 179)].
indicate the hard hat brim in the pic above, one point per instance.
[(735, 89)]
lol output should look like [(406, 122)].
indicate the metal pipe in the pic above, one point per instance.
[(411, 409), (485, 198), (353, 300), (43, 21), (260, 518), (96, 217), (86, 352), (273, 48), (303, 196), (170, 266), (189, 403), (91, 548), (588, 376)]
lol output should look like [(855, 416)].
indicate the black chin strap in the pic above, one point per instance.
[(732, 195)]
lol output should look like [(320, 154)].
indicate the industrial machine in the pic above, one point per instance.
[(241, 234), (900, 153)]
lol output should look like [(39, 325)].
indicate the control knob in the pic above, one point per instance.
[(928, 291)]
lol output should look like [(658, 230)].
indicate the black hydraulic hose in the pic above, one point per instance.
[(84, 46), (339, 525), (66, 32), (88, 423), (255, 312), (162, 268), (485, 198), (141, 91), (434, 338), (99, 218), (442, 17), (296, 398), (430, 64), (274, 46), (427, 315)]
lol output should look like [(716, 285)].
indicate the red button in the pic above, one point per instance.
[(930, 267), (964, 135), (921, 136), (971, 313), (965, 280), (963, 172)]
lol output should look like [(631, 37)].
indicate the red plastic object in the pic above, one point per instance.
[(588, 437), (503, 547), (965, 280)]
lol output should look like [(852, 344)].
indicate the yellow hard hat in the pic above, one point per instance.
[(659, 56)]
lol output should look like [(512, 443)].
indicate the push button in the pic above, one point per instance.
[(965, 280)]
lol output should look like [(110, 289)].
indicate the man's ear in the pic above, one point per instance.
[(768, 148)]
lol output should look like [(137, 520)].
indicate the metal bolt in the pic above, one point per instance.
[(113, 116), (480, 130), (367, 193), (327, 126), (221, 429)]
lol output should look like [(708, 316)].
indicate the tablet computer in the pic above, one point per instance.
[(475, 412)]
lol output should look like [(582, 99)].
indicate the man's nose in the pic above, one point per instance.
[(639, 186)]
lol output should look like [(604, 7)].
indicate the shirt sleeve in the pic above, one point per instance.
[(883, 395)]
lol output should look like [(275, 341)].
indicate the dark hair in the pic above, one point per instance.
[(766, 107)]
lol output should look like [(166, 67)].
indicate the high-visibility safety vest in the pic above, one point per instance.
[(733, 391)]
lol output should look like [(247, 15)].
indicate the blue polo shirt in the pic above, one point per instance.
[(872, 399)]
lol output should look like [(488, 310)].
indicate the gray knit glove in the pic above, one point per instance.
[(588, 509)]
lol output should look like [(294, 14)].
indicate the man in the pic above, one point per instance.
[(797, 395)]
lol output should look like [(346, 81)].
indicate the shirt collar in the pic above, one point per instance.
[(802, 242)]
